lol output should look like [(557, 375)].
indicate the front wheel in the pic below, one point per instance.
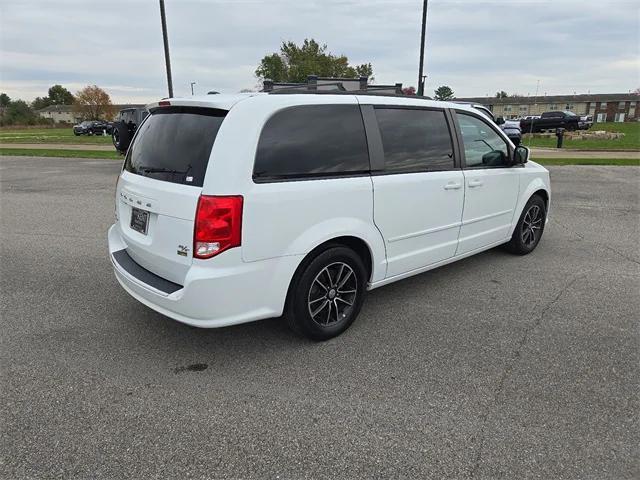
[(530, 227), (327, 293)]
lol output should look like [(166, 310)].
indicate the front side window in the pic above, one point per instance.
[(483, 147), (312, 141), (415, 140)]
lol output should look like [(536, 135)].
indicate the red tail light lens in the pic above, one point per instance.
[(218, 225)]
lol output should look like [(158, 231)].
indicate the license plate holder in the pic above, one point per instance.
[(139, 220)]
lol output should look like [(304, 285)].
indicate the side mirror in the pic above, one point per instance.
[(521, 155), (500, 121)]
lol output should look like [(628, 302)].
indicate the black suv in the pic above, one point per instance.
[(92, 127), (125, 125)]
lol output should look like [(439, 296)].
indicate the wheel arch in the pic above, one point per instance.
[(356, 243), (535, 187), (545, 196)]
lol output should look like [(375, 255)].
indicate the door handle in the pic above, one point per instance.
[(475, 183), (453, 186)]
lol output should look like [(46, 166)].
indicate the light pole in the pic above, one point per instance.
[(192, 84), (422, 39), (165, 38)]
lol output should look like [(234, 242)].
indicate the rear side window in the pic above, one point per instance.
[(310, 141), (174, 144), (415, 140)]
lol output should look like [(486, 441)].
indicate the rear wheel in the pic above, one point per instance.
[(327, 293), (530, 227)]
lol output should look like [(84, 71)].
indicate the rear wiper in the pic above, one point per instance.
[(160, 170)]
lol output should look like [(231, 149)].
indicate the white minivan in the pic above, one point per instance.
[(234, 208)]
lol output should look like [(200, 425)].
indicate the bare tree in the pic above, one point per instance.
[(93, 103)]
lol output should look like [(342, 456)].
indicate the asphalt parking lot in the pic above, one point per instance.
[(493, 367)]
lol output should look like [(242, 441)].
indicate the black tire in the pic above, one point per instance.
[(324, 281), (120, 136), (76, 133), (530, 227)]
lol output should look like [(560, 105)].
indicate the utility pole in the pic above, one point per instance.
[(192, 84), (421, 77), (165, 38)]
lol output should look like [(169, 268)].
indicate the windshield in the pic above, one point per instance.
[(174, 144)]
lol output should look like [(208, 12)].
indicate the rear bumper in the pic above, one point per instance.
[(216, 292)]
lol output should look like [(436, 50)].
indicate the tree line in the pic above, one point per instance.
[(89, 103), (291, 64)]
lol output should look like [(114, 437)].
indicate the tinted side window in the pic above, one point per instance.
[(312, 140), (415, 140), (483, 147)]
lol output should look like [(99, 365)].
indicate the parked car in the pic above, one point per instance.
[(92, 127), (551, 121), (125, 126), (511, 128), (585, 122), (235, 208)]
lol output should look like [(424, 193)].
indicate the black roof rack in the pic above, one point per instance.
[(324, 85)]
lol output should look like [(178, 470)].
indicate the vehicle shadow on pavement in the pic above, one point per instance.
[(273, 333)]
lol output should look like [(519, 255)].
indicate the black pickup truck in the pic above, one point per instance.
[(550, 121)]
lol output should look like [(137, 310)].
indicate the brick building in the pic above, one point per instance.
[(606, 107)]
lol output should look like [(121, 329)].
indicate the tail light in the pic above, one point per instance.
[(218, 225)]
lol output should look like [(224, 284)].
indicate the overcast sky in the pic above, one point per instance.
[(475, 46)]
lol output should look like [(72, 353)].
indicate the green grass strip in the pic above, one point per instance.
[(25, 152), (635, 162)]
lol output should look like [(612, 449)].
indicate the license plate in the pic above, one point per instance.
[(139, 220)]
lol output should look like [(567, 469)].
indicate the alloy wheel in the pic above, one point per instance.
[(332, 294), (532, 226)]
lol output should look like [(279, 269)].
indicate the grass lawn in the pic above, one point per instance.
[(26, 152), (634, 162), (50, 135), (630, 141)]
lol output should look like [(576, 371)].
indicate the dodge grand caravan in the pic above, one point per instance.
[(234, 208)]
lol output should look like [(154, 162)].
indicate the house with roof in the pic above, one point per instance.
[(65, 113)]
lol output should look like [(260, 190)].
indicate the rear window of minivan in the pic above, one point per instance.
[(174, 144)]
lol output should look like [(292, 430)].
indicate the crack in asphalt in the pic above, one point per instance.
[(511, 364), (582, 237)]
